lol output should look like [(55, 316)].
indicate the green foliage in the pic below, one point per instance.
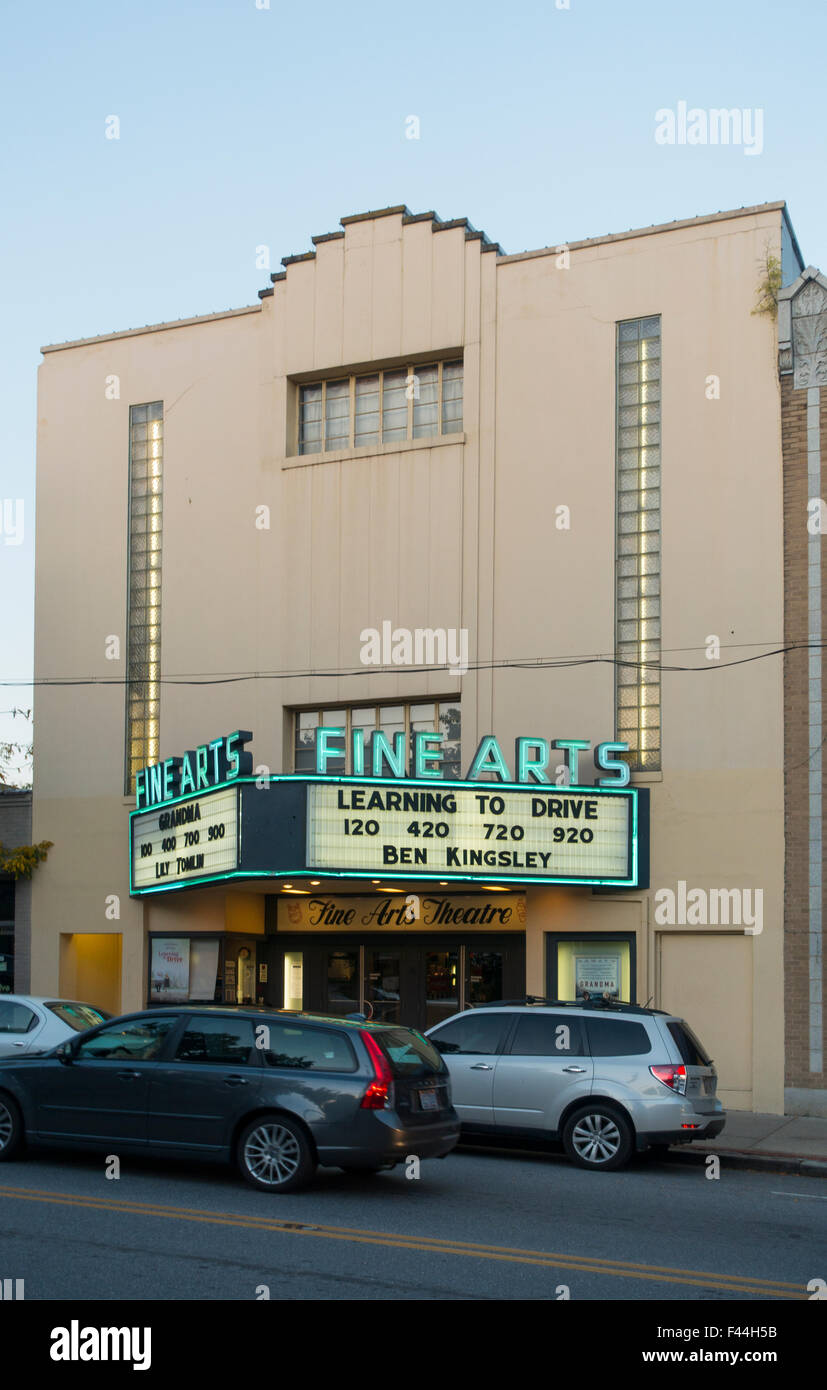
[(22, 861), (768, 286)]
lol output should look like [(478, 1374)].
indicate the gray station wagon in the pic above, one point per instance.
[(607, 1079), (275, 1091)]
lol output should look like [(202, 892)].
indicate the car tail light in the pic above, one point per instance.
[(377, 1096), (671, 1076)]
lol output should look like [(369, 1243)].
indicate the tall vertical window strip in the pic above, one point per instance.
[(637, 578), (143, 691)]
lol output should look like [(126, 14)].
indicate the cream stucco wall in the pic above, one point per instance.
[(452, 533)]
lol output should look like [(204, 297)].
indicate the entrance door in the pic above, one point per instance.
[(414, 980), (383, 984)]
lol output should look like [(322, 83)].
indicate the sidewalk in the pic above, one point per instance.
[(784, 1143)]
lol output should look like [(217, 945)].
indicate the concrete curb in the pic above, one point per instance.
[(758, 1162)]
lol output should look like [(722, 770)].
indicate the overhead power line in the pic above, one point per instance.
[(340, 673)]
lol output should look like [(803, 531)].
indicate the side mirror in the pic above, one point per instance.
[(66, 1052)]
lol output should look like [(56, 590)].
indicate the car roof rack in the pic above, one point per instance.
[(607, 1005)]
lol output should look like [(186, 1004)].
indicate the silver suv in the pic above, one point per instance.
[(605, 1078)]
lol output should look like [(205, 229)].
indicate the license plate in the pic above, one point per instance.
[(428, 1100), (709, 1085)]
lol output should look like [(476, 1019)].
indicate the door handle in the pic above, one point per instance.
[(18, 1044), (128, 1075), (480, 1066), (574, 1068), (235, 1081)]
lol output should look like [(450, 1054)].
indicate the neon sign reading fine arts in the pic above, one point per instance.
[(225, 760)]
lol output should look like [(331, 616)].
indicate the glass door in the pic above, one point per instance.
[(485, 976), (383, 984), (442, 981), (342, 983)]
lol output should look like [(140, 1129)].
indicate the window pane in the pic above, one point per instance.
[(308, 1049), (425, 387), (451, 397), (218, 1042), (614, 1037), (307, 722), (367, 410), (140, 1041), (343, 982), (539, 1035), (337, 415), (478, 1033), (394, 406), (310, 419)]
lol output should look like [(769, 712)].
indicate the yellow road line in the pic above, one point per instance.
[(584, 1264)]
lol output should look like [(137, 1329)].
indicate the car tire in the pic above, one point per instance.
[(12, 1133), (274, 1154), (598, 1137)]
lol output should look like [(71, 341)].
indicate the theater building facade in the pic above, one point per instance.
[(392, 639)]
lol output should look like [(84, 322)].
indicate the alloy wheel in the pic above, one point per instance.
[(6, 1125), (596, 1138), (272, 1154)]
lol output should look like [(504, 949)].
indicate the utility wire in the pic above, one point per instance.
[(337, 673)]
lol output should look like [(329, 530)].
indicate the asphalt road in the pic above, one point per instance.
[(480, 1224)]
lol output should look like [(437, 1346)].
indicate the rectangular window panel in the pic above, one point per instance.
[(143, 621), (443, 717), (412, 402), (451, 397), (337, 415), (367, 410), (425, 401), (310, 419), (638, 541), (394, 406)]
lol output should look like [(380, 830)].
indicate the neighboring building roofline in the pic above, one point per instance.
[(153, 328), (676, 226), (793, 238)]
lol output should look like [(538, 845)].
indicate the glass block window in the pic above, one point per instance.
[(143, 622), (441, 716), (416, 402), (638, 541)]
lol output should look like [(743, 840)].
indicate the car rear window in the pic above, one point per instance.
[(692, 1053), (78, 1016), (408, 1052), (617, 1037)]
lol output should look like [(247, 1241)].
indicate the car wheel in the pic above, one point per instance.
[(11, 1128), (274, 1154), (597, 1136)]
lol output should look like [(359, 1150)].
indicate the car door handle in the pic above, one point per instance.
[(128, 1075), (574, 1068), (480, 1066), (235, 1081), (18, 1044)]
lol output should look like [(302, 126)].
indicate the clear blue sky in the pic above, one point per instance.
[(242, 126)]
